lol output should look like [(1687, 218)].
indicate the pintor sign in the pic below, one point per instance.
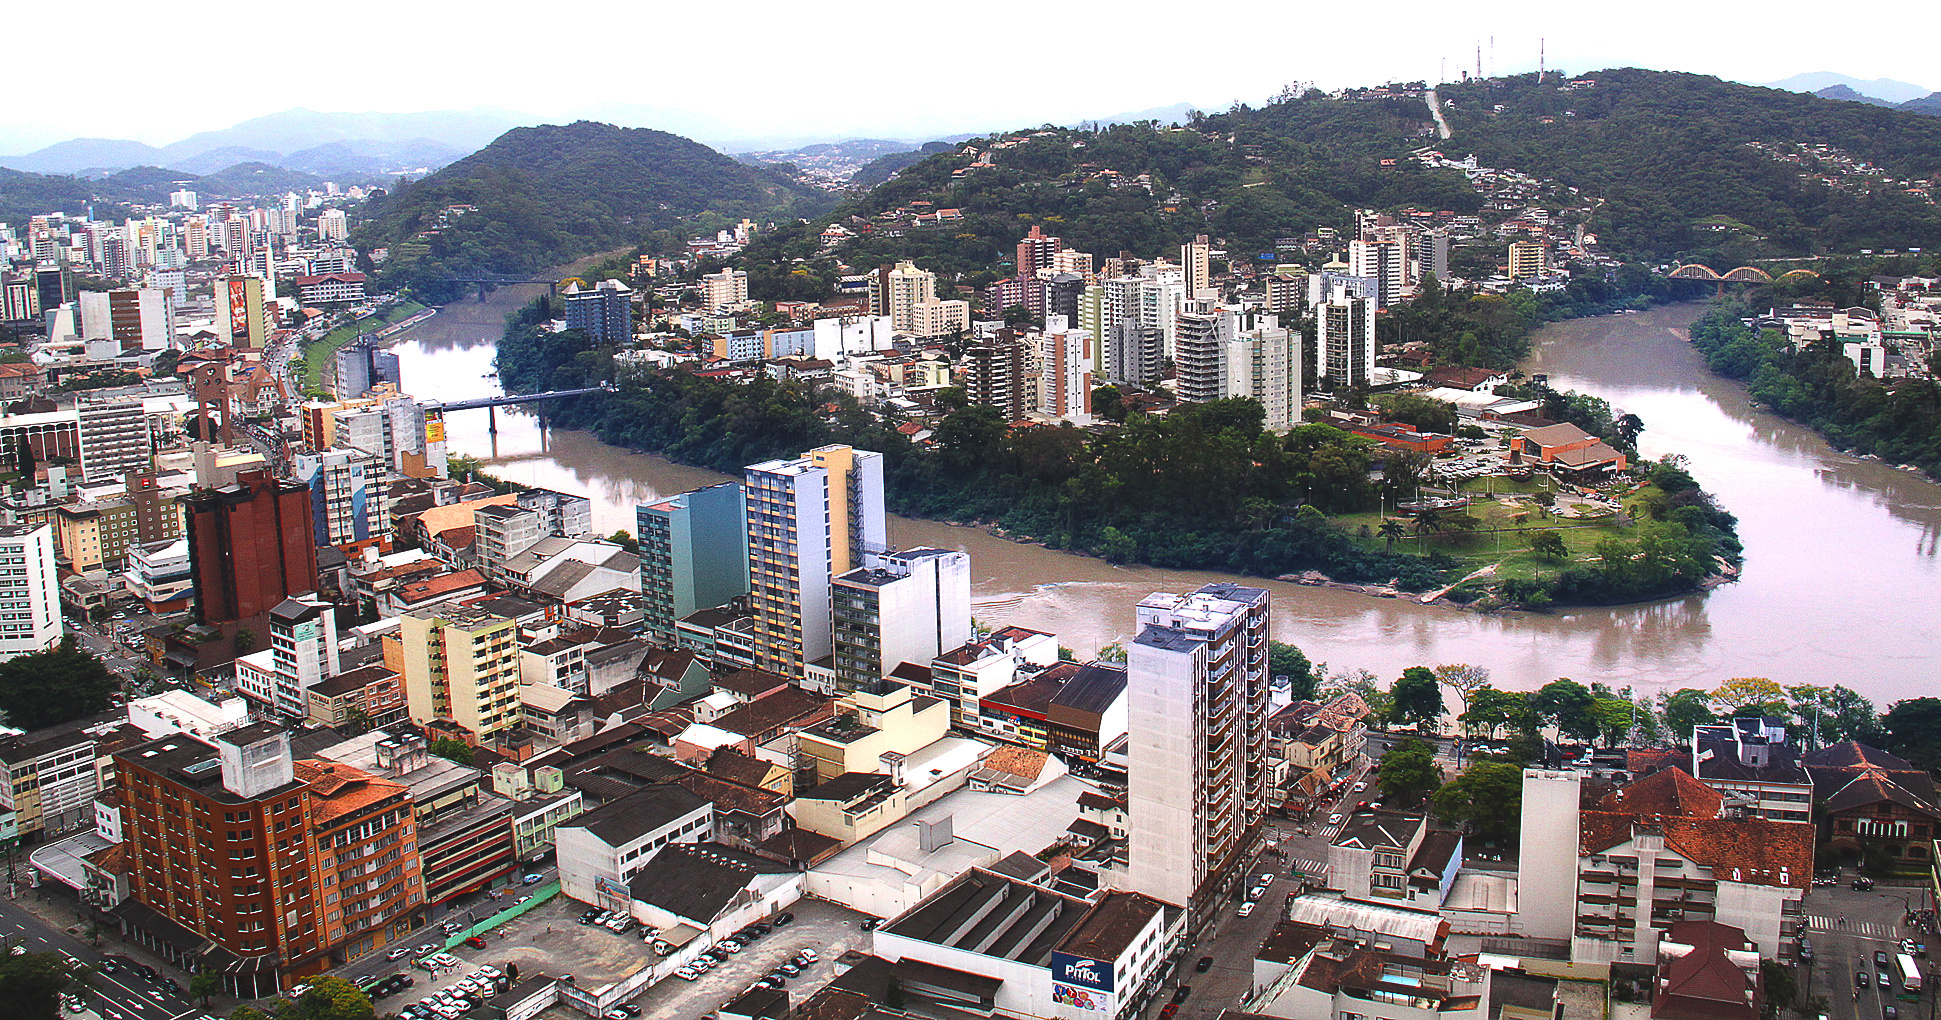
[(1081, 971)]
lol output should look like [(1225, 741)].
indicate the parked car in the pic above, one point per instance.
[(687, 974), (790, 969), (589, 917), (1863, 884), (730, 945), (1180, 993), (398, 954), (1246, 908), (1205, 964), (1256, 892), (870, 923), (782, 918), (808, 954), (533, 879), (1171, 1011), (476, 942)]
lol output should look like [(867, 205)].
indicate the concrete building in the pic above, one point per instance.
[(243, 311), (995, 374), (134, 320), (302, 653), (911, 606), (1194, 260), (604, 311), (1344, 341), (1384, 261), (725, 290), (343, 507), (1529, 259), (1197, 719), (160, 576), (602, 850), (114, 437), (809, 519), (503, 531), (693, 554), (49, 778), (875, 729), (461, 664), (360, 367), (251, 545), (1065, 359), (95, 535), (1262, 361), (1200, 352)]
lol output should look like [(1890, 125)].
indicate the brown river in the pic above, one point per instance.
[(1840, 582)]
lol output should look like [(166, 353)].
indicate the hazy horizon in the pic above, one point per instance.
[(791, 75)]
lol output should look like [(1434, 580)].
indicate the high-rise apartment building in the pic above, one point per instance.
[(1529, 259), (693, 554), (1387, 262), (95, 534), (1197, 717), (1036, 251), (1263, 361), (604, 311), (1200, 352), (1065, 359), (725, 290), (461, 664), (995, 374), (359, 368), (911, 299), (809, 519), (114, 437), (275, 869), (30, 597), (1432, 255), (1344, 340), (911, 606), (1286, 292), (333, 224), (343, 505), (251, 545), (1194, 258)]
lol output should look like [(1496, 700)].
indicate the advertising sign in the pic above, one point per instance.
[(1080, 998), (1081, 971), (434, 427), (239, 308)]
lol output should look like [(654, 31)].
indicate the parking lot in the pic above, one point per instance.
[(551, 940)]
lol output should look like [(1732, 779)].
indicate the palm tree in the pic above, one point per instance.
[(1391, 530), (1428, 521)]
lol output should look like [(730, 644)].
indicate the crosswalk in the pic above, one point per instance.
[(1312, 868), (1867, 928)]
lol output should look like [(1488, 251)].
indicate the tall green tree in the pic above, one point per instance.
[(31, 984), (1285, 660), (1686, 709), (64, 683), (1408, 772), (1914, 731), (1570, 706), (1487, 796), (1416, 697), (452, 749)]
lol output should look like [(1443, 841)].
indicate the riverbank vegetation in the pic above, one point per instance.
[(1205, 487), (1897, 420)]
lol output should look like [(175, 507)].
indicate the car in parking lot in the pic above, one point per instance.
[(807, 954), (730, 945), (687, 974), (589, 917), (476, 942), (426, 950), (782, 918), (662, 947), (445, 960), (788, 968), (399, 953), (1205, 964), (1246, 908)]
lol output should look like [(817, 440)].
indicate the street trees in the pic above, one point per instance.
[(1685, 709), (1749, 692), (1408, 772), (1462, 678), (1488, 796), (1416, 697), (31, 984), (1568, 704), (1914, 731)]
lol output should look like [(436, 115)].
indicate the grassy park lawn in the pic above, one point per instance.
[(319, 353)]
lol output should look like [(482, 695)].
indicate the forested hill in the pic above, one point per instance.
[(546, 195), (1678, 166), (1689, 166)]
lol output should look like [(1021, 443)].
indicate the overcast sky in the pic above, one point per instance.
[(860, 68)]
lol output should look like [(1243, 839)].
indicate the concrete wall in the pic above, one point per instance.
[(1547, 882)]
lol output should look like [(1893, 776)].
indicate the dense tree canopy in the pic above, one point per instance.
[(42, 689), (1487, 796)]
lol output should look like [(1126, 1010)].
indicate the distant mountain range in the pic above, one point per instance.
[(346, 145), (1886, 92)]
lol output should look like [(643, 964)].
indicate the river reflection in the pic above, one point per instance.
[(1840, 568)]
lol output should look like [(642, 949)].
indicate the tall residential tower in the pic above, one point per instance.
[(809, 519)]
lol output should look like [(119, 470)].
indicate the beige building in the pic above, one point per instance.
[(914, 308), (851, 807), (727, 289), (875, 728), (94, 535), (461, 664), (1528, 259), (809, 519)]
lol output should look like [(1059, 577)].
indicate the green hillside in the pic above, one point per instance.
[(546, 195), (1666, 166)]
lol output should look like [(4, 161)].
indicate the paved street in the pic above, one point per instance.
[(123, 995), (1872, 923)]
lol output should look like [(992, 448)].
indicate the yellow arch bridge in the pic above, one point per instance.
[(1743, 274)]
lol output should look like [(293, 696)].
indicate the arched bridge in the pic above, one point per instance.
[(1743, 274)]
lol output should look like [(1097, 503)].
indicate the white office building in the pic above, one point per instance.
[(910, 606), (30, 597), (1344, 340), (809, 519)]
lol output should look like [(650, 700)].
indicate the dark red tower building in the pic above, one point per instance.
[(251, 545)]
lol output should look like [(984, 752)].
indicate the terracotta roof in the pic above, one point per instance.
[(432, 587), (341, 789), (439, 519), (1024, 762), (737, 767), (1669, 792), (1093, 801), (1873, 786), (1705, 984)]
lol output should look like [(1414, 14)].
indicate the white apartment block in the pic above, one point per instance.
[(1065, 359), (809, 519), (1344, 339), (30, 597), (1197, 717), (910, 606)]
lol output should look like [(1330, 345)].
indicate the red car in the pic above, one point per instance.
[(476, 942), (1171, 1010)]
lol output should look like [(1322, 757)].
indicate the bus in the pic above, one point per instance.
[(1910, 979)]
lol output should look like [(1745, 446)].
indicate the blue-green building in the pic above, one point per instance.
[(693, 554)]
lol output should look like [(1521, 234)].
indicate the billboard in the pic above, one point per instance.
[(239, 309), (434, 426), (1080, 998), (1081, 971)]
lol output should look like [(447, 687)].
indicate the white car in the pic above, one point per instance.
[(809, 955), (1256, 892), (1334, 819), (1246, 908), (687, 974)]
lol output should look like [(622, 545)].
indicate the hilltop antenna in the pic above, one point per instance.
[(1479, 59), (1539, 60)]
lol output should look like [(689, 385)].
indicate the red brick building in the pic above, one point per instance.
[(251, 545)]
